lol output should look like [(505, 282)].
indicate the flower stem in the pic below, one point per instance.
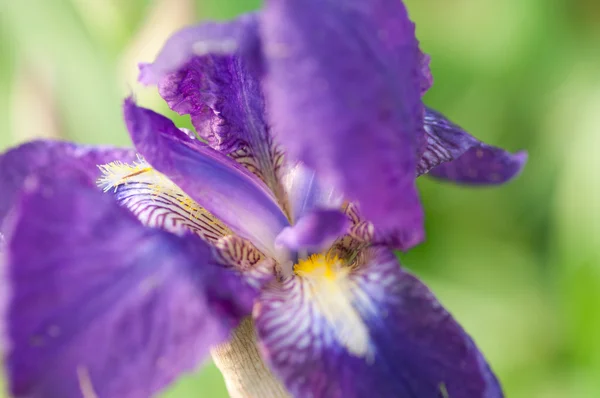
[(245, 373)]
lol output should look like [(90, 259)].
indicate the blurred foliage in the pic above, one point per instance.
[(519, 265)]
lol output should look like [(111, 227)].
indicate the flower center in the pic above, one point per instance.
[(329, 287), (319, 266)]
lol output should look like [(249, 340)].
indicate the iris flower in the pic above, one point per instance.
[(279, 214)]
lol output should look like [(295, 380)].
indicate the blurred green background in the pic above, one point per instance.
[(519, 265)]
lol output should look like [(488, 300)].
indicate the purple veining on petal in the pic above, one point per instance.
[(343, 86), (314, 231), (225, 101), (217, 183), (168, 209), (242, 256), (445, 141), (57, 157), (102, 306), (416, 348), (239, 35), (455, 155)]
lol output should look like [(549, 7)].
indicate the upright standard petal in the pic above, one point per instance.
[(453, 154), (217, 183), (100, 306), (239, 35), (369, 331), (343, 86), (223, 96), (52, 157)]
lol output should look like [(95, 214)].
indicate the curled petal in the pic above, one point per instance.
[(101, 306), (343, 87), (375, 331), (55, 157), (315, 231), (224, 99), (453, 154), (217, 183), (239, 35), (482, 165)]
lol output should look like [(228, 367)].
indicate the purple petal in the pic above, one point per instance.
[(315, 231), (375, 332), (482, 165), (226, 105), (217, 183), (453, 154), (445, 141), (100, 305), (343, 85), (51, 156), (239, 35), (306, 192), (426, 76)]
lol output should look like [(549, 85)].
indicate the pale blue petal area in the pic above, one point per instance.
[(307, 192), (372, 331), (101, 306), (216, 182), (236, 36), (57, 157), (315, 231)]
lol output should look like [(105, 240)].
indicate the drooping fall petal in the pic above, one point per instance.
[(373, 331), (18, 163), (101, 306)]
